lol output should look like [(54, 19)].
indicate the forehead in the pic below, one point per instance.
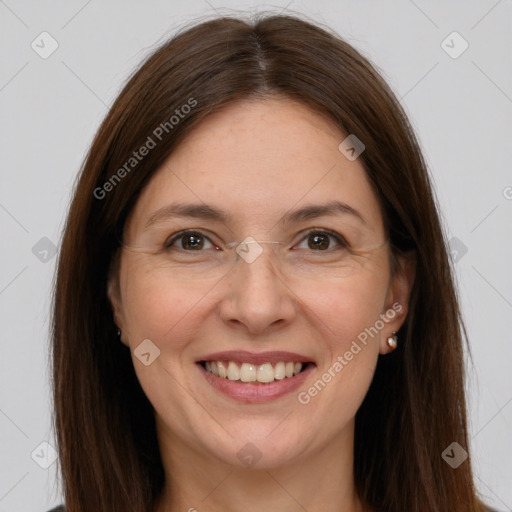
[(257, 159)]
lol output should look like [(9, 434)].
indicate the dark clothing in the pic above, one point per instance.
[(62, 509)]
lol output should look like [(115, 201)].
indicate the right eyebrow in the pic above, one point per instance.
[(197, 211)]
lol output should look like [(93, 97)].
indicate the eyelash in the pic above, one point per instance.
[(339, 238)]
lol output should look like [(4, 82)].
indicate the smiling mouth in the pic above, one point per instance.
[(250, 373)]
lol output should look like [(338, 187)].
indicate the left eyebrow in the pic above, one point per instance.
[(313, 211), (205, 211)]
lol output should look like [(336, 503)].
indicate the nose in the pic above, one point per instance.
[(257, 297)]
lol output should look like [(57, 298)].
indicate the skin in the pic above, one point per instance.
[(277, 155)]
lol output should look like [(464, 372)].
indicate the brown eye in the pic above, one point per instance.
[(320, 240), (190, 241)]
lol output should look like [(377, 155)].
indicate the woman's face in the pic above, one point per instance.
[(179, 302)]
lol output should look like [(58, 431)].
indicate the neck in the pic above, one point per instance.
[(196, 482)]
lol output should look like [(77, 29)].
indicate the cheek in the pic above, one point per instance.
[(153, 305), (347, 307), (345, 316), (158, 310)]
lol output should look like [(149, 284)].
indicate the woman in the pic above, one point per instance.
[(254, 306)]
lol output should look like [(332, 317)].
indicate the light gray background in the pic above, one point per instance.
[(50, 109)]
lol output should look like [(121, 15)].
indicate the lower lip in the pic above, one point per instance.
[(256, 392)]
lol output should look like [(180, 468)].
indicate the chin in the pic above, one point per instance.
[(259, 448)]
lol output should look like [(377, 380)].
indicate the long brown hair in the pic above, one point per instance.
[(415, 407)]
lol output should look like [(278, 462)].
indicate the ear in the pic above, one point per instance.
[(397, 299), (114, 297)]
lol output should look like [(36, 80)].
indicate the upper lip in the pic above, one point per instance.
[(243, 356)]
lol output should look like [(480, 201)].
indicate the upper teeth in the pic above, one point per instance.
[(248, 372)]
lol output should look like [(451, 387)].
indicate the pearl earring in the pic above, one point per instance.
[(392, 341)]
